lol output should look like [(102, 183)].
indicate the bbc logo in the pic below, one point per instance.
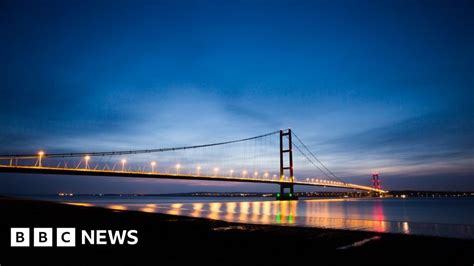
[(42, 237)]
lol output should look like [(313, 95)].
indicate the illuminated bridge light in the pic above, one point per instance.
[(86, 160), (244, 173), (198, 169), (265, 175), (215, 171), (231, 172), (40, 154), (177, 168), (255, 174), (153, 164), (124, 161)]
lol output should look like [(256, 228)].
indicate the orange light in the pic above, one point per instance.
[(80, 204), (117, 207)]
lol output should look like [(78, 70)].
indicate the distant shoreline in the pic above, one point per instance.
[(396, 193)]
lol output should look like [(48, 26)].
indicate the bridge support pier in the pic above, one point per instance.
[(286, 195), (286, 165)]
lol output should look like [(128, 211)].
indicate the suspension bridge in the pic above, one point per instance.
[(269, 158)]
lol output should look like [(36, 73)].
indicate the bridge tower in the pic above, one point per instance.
[(376, 180), (376, 184), (286, 166)]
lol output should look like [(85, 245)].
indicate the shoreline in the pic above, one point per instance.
[(176, 239)]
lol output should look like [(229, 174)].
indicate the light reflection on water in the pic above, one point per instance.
[(425, 217)]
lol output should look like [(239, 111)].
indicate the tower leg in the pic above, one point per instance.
[(286, 186)]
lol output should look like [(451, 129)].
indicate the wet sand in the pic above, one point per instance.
[(166, 239)]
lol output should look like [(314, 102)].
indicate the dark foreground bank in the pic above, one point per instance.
[(165, 240)]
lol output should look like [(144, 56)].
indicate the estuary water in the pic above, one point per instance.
[(445, 217)]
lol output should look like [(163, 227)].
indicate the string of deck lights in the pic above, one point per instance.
[(153, 168)]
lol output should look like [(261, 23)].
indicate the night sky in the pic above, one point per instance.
[(382, 86)]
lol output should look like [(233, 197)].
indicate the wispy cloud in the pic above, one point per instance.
[(436, 143)]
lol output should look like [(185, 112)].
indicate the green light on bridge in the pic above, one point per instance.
[(278, 195)]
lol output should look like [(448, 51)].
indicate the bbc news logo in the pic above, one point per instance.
[(66, 237)]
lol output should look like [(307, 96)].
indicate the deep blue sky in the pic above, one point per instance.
[(369, 85)]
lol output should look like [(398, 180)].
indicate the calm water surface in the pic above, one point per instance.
[(448, 217)]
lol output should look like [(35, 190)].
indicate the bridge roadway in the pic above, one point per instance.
[(157, 175)]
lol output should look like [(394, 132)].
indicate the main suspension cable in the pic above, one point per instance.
[(79, 154)]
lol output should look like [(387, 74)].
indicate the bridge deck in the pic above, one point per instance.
[(157, 175)]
